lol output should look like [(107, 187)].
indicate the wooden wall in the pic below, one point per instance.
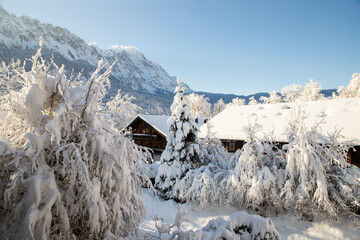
[(146, 135)]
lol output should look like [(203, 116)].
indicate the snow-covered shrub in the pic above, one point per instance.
[(318, 178), (252, 101), (202, 185), (240, 226), (273, 98), (183, 151), (214, 150), (237, 102), (65, 171), (353, 88), (258, 175), (311, 91), (343, 179), (292, 92)]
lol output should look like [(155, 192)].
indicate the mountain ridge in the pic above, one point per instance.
[(133, 73)]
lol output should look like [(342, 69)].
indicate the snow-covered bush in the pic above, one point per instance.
[(183, 151), (214, 150), (292, 92), (311, 91), (202, 185), (318, 178), (343, 179), (252, 101), (240, 226), (65, 171), (237, 102), (353, 88), (258, 175), (273, 98)]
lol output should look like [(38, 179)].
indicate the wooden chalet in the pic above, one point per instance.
[(334, 114), (151, 130)]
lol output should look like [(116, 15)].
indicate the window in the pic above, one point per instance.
[(232, 147)]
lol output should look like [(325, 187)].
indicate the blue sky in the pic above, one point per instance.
[(226, 46)]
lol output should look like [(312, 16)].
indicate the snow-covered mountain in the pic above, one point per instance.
[(133, 72)]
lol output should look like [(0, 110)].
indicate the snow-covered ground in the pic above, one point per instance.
[(289, 227)]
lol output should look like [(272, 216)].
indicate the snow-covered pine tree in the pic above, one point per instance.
[(65, 172), (183, 151)]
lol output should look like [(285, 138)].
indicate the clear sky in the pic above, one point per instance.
[(227, 46)]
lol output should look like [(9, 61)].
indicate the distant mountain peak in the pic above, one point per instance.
[(133, 72)]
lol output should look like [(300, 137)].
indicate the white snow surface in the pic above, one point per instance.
[(159, 122), (341, 113), (289, 227)]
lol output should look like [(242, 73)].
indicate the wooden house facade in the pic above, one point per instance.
[(150, 131)]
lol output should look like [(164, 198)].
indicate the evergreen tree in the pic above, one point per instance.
[(182, 151)]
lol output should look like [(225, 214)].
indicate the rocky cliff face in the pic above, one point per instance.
[(133, 72)]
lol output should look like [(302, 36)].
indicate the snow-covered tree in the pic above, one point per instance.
[(65, 171), (122, 110), (183, 151), (199, 105), (318, 179), (214, 150), (252, 101), (201, 185), (311, 91), (273, 98), (353, 88), (237, 102), (258, 173), (291, 93), (343, 179), (218, 107)]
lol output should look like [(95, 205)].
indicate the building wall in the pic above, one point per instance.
[(147, 136)]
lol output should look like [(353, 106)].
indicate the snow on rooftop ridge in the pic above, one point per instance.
[(336, 113), (159, 122)]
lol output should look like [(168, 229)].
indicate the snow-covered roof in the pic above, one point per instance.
[(342, 113), (159, 122)]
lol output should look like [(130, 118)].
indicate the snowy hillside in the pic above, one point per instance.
[(133, 72)]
